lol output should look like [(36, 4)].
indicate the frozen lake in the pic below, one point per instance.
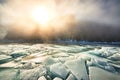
[(59, 62)]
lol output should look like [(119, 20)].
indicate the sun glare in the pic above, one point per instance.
[(41, 15)]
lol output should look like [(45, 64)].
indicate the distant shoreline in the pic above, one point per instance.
[(66, 42)]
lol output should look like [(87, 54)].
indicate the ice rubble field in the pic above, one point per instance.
[(59, 62)]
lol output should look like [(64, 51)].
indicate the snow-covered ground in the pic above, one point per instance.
[(59, 62)]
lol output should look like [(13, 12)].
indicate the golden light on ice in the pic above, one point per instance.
[(41, 15)]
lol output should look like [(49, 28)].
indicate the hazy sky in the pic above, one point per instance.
[(97, 10), (15, 14)]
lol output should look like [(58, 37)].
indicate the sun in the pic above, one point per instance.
[(41, 15)]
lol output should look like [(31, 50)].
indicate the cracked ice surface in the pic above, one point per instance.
[(59, 62)]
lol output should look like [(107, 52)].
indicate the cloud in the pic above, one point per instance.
[(2, 1), (104, 11), (15, 15)]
